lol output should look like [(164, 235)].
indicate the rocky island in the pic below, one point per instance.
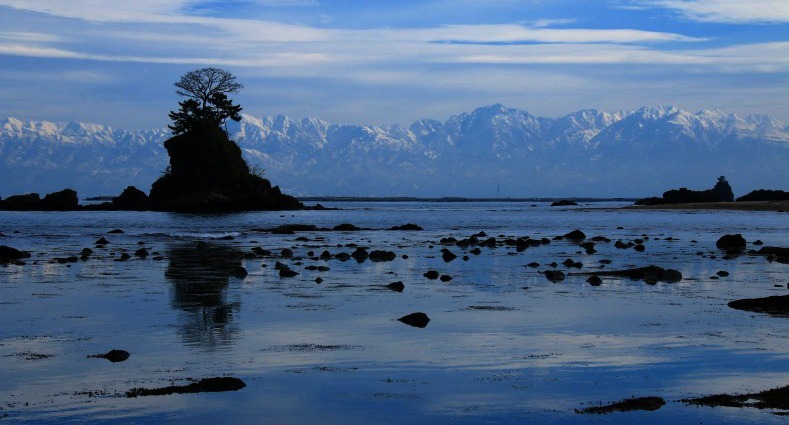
[(207, 172)]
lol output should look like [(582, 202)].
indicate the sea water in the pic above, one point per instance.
[(503, 345)]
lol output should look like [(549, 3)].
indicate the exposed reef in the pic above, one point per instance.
[(721, 192)]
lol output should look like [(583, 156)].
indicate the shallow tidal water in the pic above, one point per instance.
[(504, 344)]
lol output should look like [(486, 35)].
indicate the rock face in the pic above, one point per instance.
[(21, 202), (720, 193), (65, 200), (207, 173), (765, 195)]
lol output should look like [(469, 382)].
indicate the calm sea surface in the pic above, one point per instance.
[(504, 345)]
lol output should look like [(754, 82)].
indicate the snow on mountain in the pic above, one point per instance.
[(586, 153)]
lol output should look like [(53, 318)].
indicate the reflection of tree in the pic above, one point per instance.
[(200, 276)]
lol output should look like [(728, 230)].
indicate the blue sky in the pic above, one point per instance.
[(114, 62)]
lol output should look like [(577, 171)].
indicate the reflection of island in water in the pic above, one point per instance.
[(200, 276)]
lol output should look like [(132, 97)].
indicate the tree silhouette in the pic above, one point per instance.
[(206, 90)]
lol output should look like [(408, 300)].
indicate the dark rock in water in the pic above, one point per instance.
[(533, 265), (622, 245), (447, 255), (382, 256), (774, 250), (287, 272), (417, 320), (343, 256), (260, 251), (445, 278), (286, 253), (776, 398), (722, 273), (132, 199), (360, 254), (563, 203), (346, 227), (605, 261), (318, 280), (125, 256), (594, 280), (396, 286), (325, 255), (239, 272), (10, 255), (649, 274), (554, 276), (114, 356), (731, 242), (28, 202), (758, 242), (639, 248), (720, 193), (142, 253), (207, 385), (588, 247), (115, 231), (631, 404), (208, 173), (65, 200), (575, 235), (765, 195), (432, 275), (777, 305), (476, 251), (102, 241), (409, 226), (601, 239)]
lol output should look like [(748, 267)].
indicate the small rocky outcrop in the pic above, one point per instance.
[(731, 242), (721, 192), (207, 173), (764, 195), (65, 200), (649, 274), (207, 385), (627, 405), (10, 255), (28, 202), (777, 305), (132, 199), (564, 203), (417, 320), (114, 356)]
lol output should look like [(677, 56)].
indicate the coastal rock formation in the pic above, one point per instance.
[(207, 173), (9, 255), (65, 200), (764, 195), (721, 192), (132, 199), (27, 202)]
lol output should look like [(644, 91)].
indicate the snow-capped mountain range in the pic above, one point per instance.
[(491, 150)]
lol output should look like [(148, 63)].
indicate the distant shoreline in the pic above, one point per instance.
[(451, 199), (779, 206)]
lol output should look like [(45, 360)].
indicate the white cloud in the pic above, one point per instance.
[(729, 11)]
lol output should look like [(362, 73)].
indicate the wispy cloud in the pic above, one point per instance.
[(727, 11)]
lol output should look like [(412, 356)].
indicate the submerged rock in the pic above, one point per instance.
[(417, 320), (627, 405), (408, 226), (396, 286), (563, 203), (649, 274), (554, 276), (382, 256), (776, 398), (777, 305), (114, 356), (211, 385), (431, 274), (576, 235)]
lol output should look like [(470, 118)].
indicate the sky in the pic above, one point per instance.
[(383, 62)]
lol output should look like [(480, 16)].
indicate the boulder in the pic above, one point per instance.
[(731, 242), (417, 320), (554, 276), (408, 226), (10, 255), (447, 255), (396, 286), (431, 274), (575, 235), (777, 305), (382, 256)]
